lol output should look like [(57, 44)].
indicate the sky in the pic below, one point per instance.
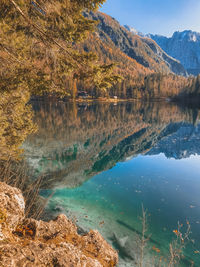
[(156, 16)]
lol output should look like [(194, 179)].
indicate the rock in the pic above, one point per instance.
[(122, 241), (100, 248), (29, 242), (39, 254), (12, 206), (127, 248), (60, 227), (1, 233)]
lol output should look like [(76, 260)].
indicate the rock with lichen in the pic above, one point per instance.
[(12, 207), (28, 242)]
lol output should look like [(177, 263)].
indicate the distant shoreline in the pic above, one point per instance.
[(101, 99)]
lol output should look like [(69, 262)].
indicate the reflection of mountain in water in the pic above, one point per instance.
[(75, 142), (183, 143)]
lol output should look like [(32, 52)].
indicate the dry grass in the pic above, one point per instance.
[(18, 175), (176, 247)]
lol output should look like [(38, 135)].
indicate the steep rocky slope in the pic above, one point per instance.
[(140, 53), (28, 242), (184, 46), (142, 49)]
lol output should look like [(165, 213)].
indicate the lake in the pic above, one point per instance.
[(104, 161)]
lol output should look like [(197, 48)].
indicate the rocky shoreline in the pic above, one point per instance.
[(28, 242)]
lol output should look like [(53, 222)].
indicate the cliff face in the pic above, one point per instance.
[(184, 46), (28, 242)]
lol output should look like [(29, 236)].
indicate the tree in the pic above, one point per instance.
[(15, 123), (38, 54), (37, 46)]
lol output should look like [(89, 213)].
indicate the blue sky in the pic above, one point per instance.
[(156, 16)]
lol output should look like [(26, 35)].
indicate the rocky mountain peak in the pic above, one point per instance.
[(184, 46), (187, 35), (133, 31)]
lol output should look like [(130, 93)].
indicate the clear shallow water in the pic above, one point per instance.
[(103, 162)]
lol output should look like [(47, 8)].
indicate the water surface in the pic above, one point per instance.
[(104, 161)]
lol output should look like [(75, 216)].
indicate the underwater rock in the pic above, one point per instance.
[(122, 241), (127, 250), (29, 242)]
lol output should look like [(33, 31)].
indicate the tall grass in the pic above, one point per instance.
[(17, 174)]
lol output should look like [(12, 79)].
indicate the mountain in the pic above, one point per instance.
[(184, 46), (144, 51), (134, 31)]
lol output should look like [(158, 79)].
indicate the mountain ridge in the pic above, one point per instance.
[(144, 50), (184, 46)]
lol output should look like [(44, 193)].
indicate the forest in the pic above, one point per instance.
[(52, 48), (38, 57)]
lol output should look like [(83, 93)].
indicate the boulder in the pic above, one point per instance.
[(29, 242), (12, 206)]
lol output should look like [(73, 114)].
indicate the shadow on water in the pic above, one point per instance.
[(137, 232)]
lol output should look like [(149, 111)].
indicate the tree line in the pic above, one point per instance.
[(38, 56)]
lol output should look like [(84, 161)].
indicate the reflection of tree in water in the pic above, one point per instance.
[(75, 142)]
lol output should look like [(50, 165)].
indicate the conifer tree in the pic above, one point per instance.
[(38, 55), (37, 45)]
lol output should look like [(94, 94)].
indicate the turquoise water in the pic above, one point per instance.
[(103, 171), (166, 188)]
